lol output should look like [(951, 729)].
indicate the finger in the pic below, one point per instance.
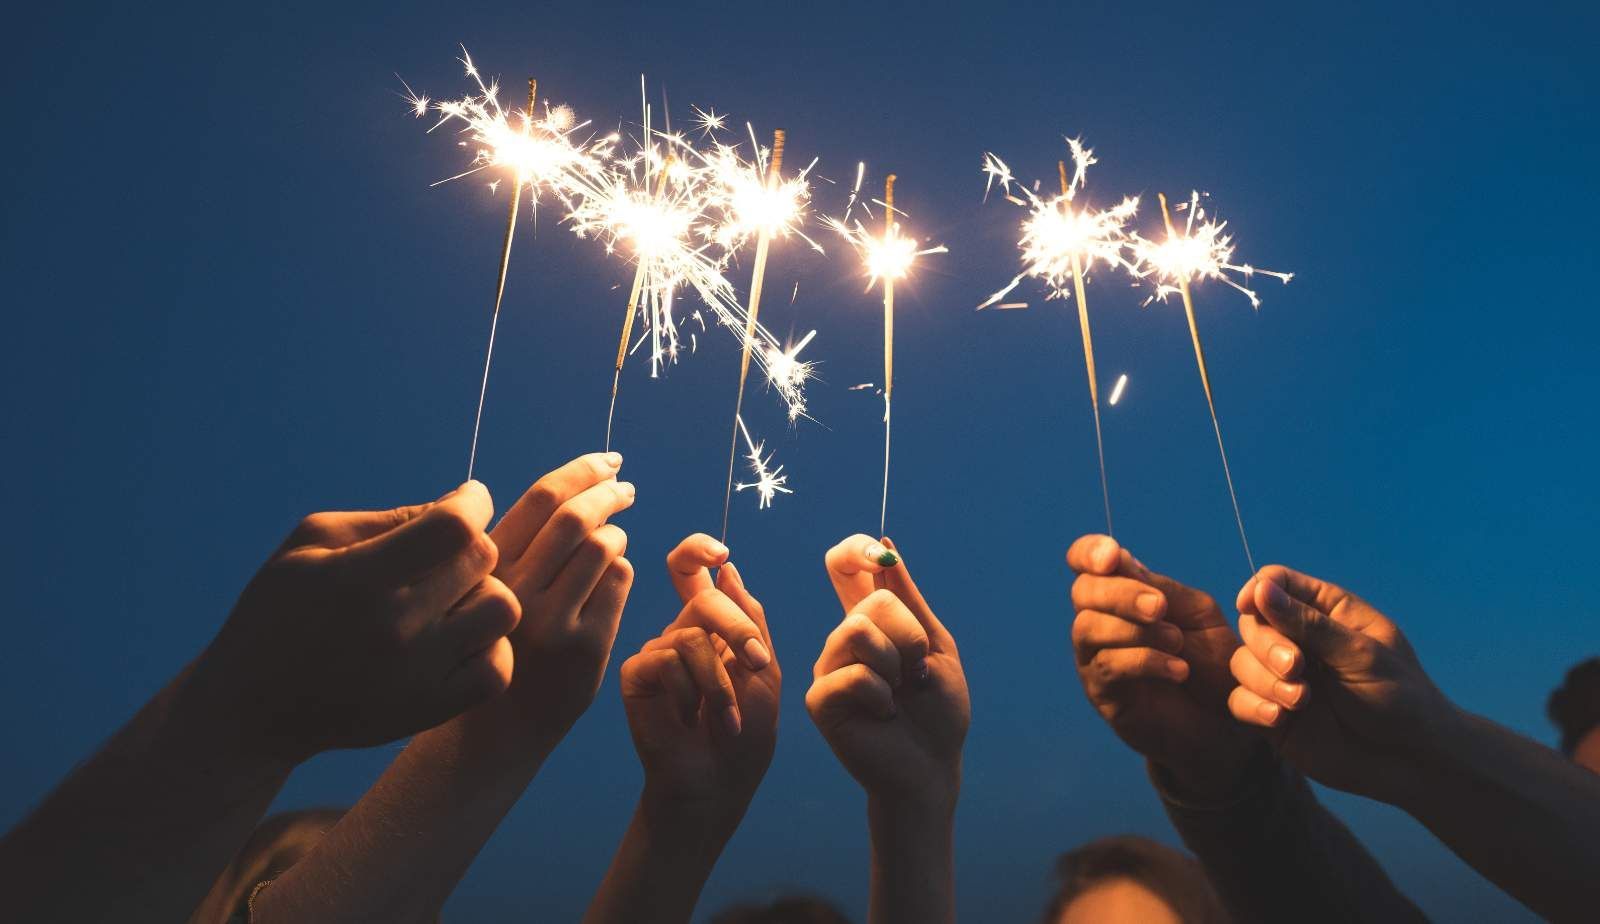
[(479, 677), (1120, 596), (1255, 677), (602, 612), (488, 612), (533, 510), (852, 565), (1093, 631), (1111, 668), (575, 519), (713, 611), (1245, 602), (661, 672), (1271, 647), (731, 582), (442, 531), (857, 640), (898, 580), (851, 690), (579, 576), (1307, 625), (332, 529), (710, 677), (1251, 709), (428, 599), (1094, 554), (894, 619), (689, 564)]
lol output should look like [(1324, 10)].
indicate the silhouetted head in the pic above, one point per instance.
[(793, 909), (279, 842), (1575, 708), (1131, 880)]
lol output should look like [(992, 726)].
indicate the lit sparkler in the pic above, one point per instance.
[(542, 153), (1063, 240), (769, 482), (756, 201), (1202, 251), (887, 258)]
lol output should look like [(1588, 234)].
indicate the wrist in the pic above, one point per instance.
[(697, 820), (1444, 746), (1218, 778), (927, 809)]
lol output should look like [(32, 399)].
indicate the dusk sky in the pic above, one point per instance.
[(232, 297)]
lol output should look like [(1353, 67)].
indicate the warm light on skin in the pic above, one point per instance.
[(1118, 901)]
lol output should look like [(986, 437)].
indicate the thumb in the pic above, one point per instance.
[(1321, 636)]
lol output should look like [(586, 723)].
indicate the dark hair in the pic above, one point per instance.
[(1575, 705), (1175, 877), (792, 909)]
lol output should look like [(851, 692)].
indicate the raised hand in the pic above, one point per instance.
[(362, 628), (1336, 678), (565, 562), (888, 692), (702, 697), (1153, 656), (702, 703)]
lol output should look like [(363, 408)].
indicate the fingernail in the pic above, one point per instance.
[(920, 672), (716, 549), (1268, 712), (1148, 605), (1169, 636), (1288, 693), (625, 488), (730, 720), (1282, 659), (1276, 597), (614, 459), (1178, 668), (881, 556), (756, 654)]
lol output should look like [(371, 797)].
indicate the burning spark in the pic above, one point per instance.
[(1200, 251), (1058, 232), (886, 257), (1116, 391), (788, 374), (544, 152), (768, 483)]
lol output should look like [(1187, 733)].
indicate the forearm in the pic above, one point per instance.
[(1272, 851), (1518, 812), (397, 855), (140, 831), (663, 862), (913, 861)]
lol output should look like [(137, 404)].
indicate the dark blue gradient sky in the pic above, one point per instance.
[(231, 298)]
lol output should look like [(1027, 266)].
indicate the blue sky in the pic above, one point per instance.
[(232, 298)]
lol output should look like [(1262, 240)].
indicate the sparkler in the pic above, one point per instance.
[(887, 259), (1200, 252), (540, 153), (764, 206), (769, 482), (1062, 239)]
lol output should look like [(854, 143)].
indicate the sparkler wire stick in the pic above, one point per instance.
[(888, 349), (500, 286), (1088, 351), (627, 320), (757, 277), (1205, 382)]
